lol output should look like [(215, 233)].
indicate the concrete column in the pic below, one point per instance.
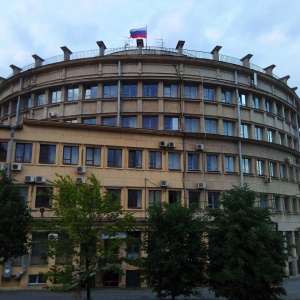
[(102, 48), (67, 52), (140, 45), (285, 79), (215, 52), (16, 70), (246, 60), (179, 47), (38, 60), (269, 69)]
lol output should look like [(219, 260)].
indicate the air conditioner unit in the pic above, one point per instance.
[(52, 114), (2, 167), (163, 144), (164, 183), (80, 180), (52, 236), (201, 185), (40, 179), (200, 147), (16, 167), (29, 178), (288, 160), (172, 145), (268, 180), (80, 170)]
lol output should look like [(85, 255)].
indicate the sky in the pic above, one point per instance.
[(267, 29)]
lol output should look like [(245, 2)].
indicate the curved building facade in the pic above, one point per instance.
[(153, 124)]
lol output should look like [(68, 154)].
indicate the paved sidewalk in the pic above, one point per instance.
[(291, 285)]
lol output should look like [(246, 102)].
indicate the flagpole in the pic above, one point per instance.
[(146, 36)]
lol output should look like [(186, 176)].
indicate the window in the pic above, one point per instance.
[(263, 201), (273, 169), (194, 199), (25, 104), (268, 105), (3, 151), (211, 163), (287, 205), (291, 174), (130, 90), (38, 255), (150, 122), (155, 159), (213, 198), (228, 128), (5, 110), (135, 159), (295, 206), (279, 109), (24, 192), (43, 197), (70, 156), (229, 164), (92, 156), (154, 197), (35, 279), (174, 197), (170, 123), (280, 138), (244, 131), (134, 199), (56, 96), (276, 203), (47, 154), (40, 99), (209, 94), (289, 142), (226, 96), (211, 126), (110, 91), (115, 194), (109, 121), (242, 100), (258, 133), (260, 164), (246, 165), (89, 121), (193, 162), (270, 134), (73, 93), (191, 124), (23, 153), (173, 161), (150, 89), (170, 91), (71, 121), (190, 92), (133, 246), (256, 102), (129, 122), (283, 171), (91, 92), (114, 158)]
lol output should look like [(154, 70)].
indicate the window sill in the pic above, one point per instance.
[(231, 173), (216, 172), (248, 174), (174, 169)]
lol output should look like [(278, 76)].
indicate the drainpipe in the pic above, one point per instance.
[(24, 267), (119, 94), (239, 131), (12, 132)]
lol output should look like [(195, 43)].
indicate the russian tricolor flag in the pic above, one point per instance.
[(138, 33)]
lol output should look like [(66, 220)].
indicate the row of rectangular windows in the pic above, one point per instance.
[(150, 90), (192, 124), (114, 158), (135, 198)]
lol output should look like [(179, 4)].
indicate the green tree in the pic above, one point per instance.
[(15, 220), (246, 254), (176, 252), (88, 225)]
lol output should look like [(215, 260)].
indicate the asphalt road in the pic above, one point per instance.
[(291, 285)]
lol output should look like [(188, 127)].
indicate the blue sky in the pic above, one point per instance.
[(268, 29)]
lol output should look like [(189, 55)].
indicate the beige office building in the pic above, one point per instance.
[(153, 124)]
